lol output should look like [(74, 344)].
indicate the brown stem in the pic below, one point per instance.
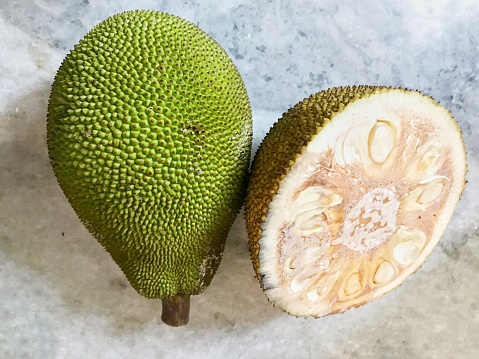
[(176, 310)]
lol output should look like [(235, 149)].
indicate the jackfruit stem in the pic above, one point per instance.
[(176, 310)]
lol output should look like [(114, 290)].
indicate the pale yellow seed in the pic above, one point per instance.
[(353, 284), (381, 142), (430, 193), (384, 273), (428, 160), (406, 251)]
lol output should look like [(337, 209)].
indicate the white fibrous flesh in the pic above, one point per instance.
[(364, 204)]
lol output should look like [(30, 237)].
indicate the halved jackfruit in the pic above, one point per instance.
[(349, 193)]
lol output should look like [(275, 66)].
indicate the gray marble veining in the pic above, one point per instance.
[(61, 296)]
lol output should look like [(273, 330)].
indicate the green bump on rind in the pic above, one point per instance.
[(149, 135)]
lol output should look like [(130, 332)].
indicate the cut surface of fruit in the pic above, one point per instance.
[(359, 201)]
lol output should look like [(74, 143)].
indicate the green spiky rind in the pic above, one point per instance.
[(281, 147), (149, 134)]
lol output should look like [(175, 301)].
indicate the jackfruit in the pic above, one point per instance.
[(149, 135), (349, 193)]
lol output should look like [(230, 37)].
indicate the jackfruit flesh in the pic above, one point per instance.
[(149, 135), (349, 193)]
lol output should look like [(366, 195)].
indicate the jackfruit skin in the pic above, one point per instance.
[(283, 144), (149, 134)]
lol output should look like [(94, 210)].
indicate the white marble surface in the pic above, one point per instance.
[(61, 296)]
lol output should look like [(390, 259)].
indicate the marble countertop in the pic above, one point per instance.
[(61, 295)]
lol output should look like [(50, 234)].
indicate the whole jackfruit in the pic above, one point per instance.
[(149, 135), (349, 193)]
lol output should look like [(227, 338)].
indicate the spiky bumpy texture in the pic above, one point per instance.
[(149, 135), (283, 145)]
